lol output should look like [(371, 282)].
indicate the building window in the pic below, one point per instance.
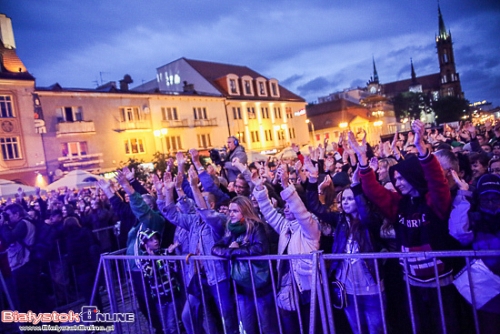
[(289, 113), (248, 87), (10, 148), (204, 141), (274, 89), (232, 86), (200, 113), (241, 137), (262, 88), (281, 134), (236, 112), (169, 114), (277, 113), (131, 114), (265, 112), (69, 114), (450, 91), (251, 112), (269, 136), (255, 136), (134, 146), (291, 132), (74, 149), (6, 106), (173, 143)]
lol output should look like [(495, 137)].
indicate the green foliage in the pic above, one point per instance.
[(160, 163), (140, 172), (450, 109), (410, 105)]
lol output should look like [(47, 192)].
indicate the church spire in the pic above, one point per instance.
[(375, 74), (442, 29), (413, 75)]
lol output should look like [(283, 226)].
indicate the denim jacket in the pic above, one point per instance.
[(205, 228)]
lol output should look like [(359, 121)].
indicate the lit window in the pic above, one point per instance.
[(74, 149), (6, 106), (134, 146), (173, 143), (10, 148)]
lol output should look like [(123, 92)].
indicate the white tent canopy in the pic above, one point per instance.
[(10, 188), (76, 179)]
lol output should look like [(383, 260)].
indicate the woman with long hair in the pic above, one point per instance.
[(357, 230), (246, 236)]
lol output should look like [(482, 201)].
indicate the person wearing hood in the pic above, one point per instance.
[(485, 224), (419, 211)]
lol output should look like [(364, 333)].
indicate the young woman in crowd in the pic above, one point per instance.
[(246, 236)]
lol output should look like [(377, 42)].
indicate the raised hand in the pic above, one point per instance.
[(236, 163), (462, 185), (157, 183), (284, 175), (355, 175), (181, 159), (325, 184), (168, 182), (373, 164), (121, 178), (195, 155), (129, 173), (310, 167), (193, 177), (419, 128), (359, 149)]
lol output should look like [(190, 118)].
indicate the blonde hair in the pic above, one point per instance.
[(247, 211)]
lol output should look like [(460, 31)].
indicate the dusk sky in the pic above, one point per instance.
[(312, 47)]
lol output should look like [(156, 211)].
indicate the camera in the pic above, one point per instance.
[(218, 156)]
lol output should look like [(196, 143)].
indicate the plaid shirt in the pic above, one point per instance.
[(161, 276)]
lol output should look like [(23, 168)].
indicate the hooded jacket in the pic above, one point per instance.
[(420, 222)]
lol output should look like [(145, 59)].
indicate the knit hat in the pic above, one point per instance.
[(488, 183), (411, 170), (341, 179), (147, 234)]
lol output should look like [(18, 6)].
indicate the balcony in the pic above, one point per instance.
[(183, 123), (74, 128), (80, 160), (205, 122), (121, 126)]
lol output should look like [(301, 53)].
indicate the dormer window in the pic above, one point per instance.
[(261, 87), (232, 84), (247, 82), (275, 92)]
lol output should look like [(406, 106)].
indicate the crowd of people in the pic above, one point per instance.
[(426, 190)]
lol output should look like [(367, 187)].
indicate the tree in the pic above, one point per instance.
[(140, 172), (450, 109), (410, 105)]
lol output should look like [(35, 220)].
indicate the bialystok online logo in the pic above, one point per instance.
[(88, 314)]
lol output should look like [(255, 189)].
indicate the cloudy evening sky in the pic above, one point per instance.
[(312, 47)]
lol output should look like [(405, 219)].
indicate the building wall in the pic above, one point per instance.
[(29, 160), (102, 129)]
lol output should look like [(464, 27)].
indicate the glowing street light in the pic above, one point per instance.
[(343, 125), (160, 133)]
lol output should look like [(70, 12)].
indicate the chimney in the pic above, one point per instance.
[(6, 32), (127, 79), (188, 88)]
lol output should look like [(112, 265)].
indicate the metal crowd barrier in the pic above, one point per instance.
[(124, 296)]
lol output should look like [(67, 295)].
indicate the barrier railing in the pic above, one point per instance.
[(129, 292)]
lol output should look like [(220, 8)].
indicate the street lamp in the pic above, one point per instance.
[(308, 121), (161, 133)]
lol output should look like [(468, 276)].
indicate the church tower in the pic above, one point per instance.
[(373, 84), (450, 79)]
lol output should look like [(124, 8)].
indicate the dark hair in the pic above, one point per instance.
[(16, 208), (465, 166), (482, 158)]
